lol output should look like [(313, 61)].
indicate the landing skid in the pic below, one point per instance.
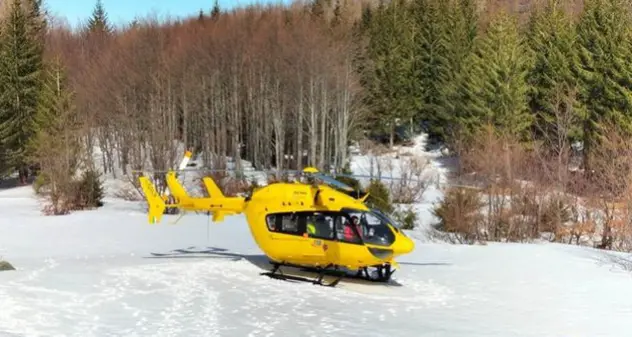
[(276, 273), (384, 273)]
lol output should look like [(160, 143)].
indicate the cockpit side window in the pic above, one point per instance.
[(374, 230), (348, 230)]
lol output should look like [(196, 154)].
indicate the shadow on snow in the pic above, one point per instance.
[(262, 262)]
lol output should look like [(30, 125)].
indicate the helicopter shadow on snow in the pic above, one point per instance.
[(259, 260), (421, 264)]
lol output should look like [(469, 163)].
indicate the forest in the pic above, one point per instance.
[(533, 97)]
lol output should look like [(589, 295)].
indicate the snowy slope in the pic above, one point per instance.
[(91, 274)]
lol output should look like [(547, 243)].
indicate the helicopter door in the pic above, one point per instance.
[(319, 232), (349, 241)]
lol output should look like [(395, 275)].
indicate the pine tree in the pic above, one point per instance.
[(216, 11), (56, 143), (99, 22), (431, 61), (20, 71), (470, 105), (365, 20), (37, 19), (462, 22), (552, 39), (389, 76), (500, 66), (605, 70)]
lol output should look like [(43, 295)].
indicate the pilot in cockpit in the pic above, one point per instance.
[(349, 234), (356, 222)]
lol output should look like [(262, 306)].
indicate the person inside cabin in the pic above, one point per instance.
[(315, 225), (349, 234), (311, 228)]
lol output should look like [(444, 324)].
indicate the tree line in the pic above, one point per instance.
[(289, 86), (542, 98), (272, 85), (456, 71)]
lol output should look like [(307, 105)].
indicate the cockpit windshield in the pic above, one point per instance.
[(374, 228), (389, 220)]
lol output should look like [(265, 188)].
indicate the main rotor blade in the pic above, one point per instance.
[(332, 181), (325, 177)]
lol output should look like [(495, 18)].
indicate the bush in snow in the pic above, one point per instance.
[(407, 218), (460, 215), (39, 183), (413, 180), (379, 197), (71, 194), (4, 265), (90, 190)]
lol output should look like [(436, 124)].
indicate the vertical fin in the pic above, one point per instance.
[(156, 204), (176, 189)]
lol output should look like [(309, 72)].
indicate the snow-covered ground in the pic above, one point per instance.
[(91, 274)]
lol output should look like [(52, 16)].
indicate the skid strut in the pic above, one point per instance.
[(276, 273), (384, 273)]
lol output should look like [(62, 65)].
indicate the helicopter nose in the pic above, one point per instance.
[(403, 245)]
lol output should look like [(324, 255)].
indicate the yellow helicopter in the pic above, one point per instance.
[(314, 223)]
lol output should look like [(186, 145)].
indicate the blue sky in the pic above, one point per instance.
[(120, 11)]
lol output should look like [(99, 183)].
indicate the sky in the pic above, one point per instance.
[(122, 11)]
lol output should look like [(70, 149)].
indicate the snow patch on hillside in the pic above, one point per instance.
[(397, 163)]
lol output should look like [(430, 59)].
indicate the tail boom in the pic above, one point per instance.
[(217, 203)]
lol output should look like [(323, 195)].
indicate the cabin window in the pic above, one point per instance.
[(320, 226), (289, 223), (271, 222), (283, 223)]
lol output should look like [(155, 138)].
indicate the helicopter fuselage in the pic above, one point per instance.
[(304, 224), (313, 226)]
